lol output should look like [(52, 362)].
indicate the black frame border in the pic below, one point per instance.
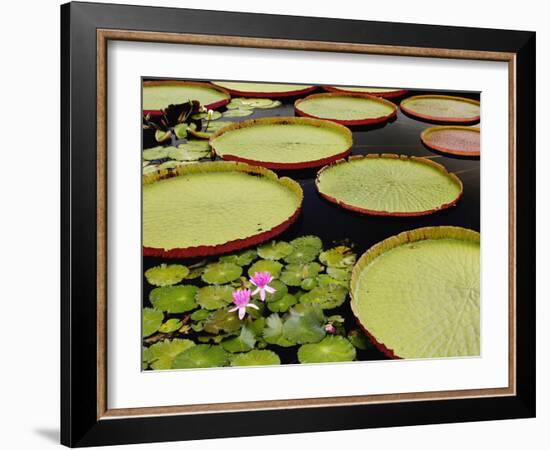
[(79, 423)]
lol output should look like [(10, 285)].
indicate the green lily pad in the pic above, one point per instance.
[(294, 274), (358, 339), (282, 304), (308, 284), (390, 185), (220, 273), (215, 115), (170, 326), (185, 152), (264, 265), (241, 343), (161, 355), (256, 358), (326, 297), (283, 142), (418, 293), (174, 299), (151, 320), (273, 332), (325, 279), (166, 274), (195, 145), (280, 291), (304, 325), (222, 320), (163, 136), (339, 274), (152, 154), (214, 297), (243, 258), (200, 314), (305, 249), (273, 104), (159, 94), (238, 112), (201, 356), (340, 257), (275, 250), (330, 349), (257, 326), (198, 209), (180, 130)]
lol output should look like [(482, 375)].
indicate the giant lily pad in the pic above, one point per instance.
[(256, 358), (330, 349), (174, 299), (201, 356), (347, 109), (270, 90), (417, 293), (166, 274), (161, 355), (389, 185), (377, 92), (158, 95), (452, 139), (442, 108), (283, 142), (215, 207)]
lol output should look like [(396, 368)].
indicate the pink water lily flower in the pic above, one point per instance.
[(241, 299), (261, 280)]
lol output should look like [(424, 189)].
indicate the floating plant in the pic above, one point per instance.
[(161, 355), (238, 113), (283, 142), (346, 109), (166, 274), (417, 293), (452, 140), (304, 249), (389, 185), (330, 349), (442, 108), (151, 321), (212, 195), (269, 90), (256, 358), (174, 299), (377, 92), (214, 297), (159, 94), (201, 356)]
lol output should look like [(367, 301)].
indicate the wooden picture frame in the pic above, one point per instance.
[(86, 418)]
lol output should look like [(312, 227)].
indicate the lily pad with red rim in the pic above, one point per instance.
[(268, 90), (389, 185), (212, 194), (158, 95), (442, 108), (417, 294), (374, 91), (283, 142), (452, 140), (346, 108)]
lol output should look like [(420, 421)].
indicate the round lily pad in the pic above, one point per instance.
[(166, 274), (452, 140), (161, 355), (275, 250), (271, 90), (215, 207), (158, 95), (244, 342), (170, 326), (330, 349), (280, 291), (347, 109), (222, 320), (416, 294), (152, 154), (243, 258), (442, 108), (283, 142), (201, 356), (214, 297), (338, 257), (377, 92), (238, 113), (326, 297), (221, 273), (304, 325), (294, 274), (256, 358), (151, 320), (389, 185), (185, 152), (264, 265), (283, 303), (174, 299), (305, 249)]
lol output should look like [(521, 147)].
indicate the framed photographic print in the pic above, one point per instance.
[(277, 224)]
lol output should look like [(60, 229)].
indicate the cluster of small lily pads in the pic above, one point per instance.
[(241, 308)]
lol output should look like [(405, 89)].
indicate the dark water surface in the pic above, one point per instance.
[(336, 225)]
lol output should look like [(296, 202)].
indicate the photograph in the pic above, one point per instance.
[(301, 224)]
